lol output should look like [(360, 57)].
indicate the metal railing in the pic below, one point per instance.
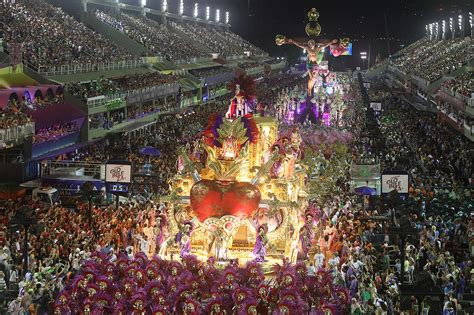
[(89, 67), (93, 169), (134, 96)]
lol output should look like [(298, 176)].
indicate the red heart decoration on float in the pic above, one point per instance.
[(211, 198)]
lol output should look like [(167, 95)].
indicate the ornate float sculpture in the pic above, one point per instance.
[(239, 181), (315, 48)]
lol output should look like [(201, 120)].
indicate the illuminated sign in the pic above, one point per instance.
[(118, 176)]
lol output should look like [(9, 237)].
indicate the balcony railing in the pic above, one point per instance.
[(89, 67)]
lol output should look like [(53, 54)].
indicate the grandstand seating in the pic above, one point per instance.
[(430, 60), (153, 35), (218, 41), (50, 37)]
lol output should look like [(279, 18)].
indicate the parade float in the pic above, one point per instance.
[(243, 187), (238, 179)]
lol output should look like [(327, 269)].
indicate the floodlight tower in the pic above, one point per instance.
[(451, 26), (218, 15), (143, 5), (471, 23), (196, 10), (208, 13), (461, 25), (181, 7), (227, 17), (443, 26)]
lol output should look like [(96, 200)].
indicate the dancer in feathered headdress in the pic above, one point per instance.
[(252, 275)]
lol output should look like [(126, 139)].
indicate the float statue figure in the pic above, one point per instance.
[(314, 48)]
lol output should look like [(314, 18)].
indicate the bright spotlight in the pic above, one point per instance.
[(218, 15), (181, 7), (196, 10), (143, 3), (164, 6), (227, 17), (208, 13)]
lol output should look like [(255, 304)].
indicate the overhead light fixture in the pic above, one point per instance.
[(181, 7), (208, 13), (227, 17), (143, 3), (196, 10), (164, 6), (218, 15)]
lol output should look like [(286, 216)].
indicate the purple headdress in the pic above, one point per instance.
[(103, 301), (280, 270), (251, 128), (141, 258), (210, 132)]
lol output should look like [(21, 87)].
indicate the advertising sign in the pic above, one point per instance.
[(398, 182), (376, 106), (118, 177)]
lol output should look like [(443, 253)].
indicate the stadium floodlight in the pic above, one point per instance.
[(363, 55), (460, 22), (143, 3), (227, 17), (196, 10), (181, 7), (208, 13), (451, 24), (471, 21), (164, 5), (218, 15)]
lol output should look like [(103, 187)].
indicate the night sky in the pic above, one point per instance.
[(362, 21)]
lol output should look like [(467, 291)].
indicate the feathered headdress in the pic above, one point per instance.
[(246, 84)]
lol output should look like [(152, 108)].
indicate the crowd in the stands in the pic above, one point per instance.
[(54, 132), (11, 118), (430, 60), (110, 86), (50, 37), (463, 84), (209, 72), (156, 37), (248, 65), (222, 42)]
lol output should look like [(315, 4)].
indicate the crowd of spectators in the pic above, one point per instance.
[(50, 37), (10, 117), (463, 84), (110, 86), (430, 60), (221, 42), (156, 37), (248, 65), (53, 133), (209, 72), (357, 251)]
